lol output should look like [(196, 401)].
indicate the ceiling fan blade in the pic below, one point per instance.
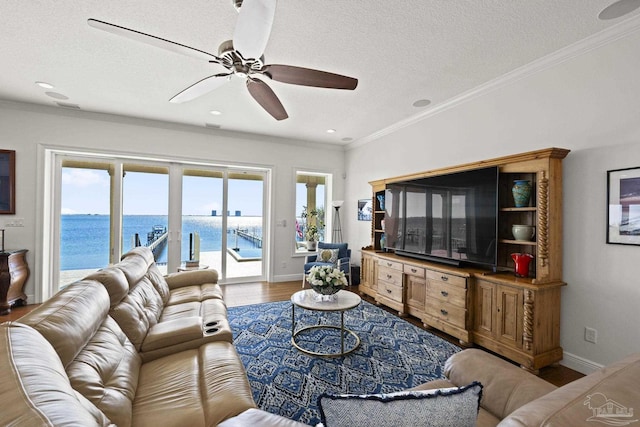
[(262, 93), (151, 40), (253, 27), (200, 88), (308, 77)]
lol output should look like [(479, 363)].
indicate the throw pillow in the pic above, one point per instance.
[(446, 407), (328, 255)]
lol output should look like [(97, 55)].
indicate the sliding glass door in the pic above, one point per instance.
[(207, 217)]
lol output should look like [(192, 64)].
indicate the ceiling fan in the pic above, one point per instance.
[(242, 57)]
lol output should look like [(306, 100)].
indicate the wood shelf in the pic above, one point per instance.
[(518, 242), (525, 209)]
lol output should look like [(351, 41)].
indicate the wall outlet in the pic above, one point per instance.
[(590, 335), (16, 222)]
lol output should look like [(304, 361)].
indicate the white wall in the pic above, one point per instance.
[(589, 104), (26, 128)]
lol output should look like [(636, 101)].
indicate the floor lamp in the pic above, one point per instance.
[(337, 228)]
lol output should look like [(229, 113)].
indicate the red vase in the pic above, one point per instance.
[(521, 264)]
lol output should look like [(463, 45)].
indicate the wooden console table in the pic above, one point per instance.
[(14, 272)]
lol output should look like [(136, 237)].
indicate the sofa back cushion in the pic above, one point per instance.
[(138, 311), (135, 263), (35, 389), (506, 387), (114, 280), (106, 372), (159, 283), (70, 318)]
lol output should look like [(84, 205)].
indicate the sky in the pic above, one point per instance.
[(86, 191)]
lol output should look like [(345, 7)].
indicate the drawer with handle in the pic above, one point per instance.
[(390, 264), (391, 291), (443, 291), (413, 270), (390, 276), (451, 279), (448, 313)]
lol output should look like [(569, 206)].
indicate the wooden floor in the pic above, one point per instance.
[(259, 292)]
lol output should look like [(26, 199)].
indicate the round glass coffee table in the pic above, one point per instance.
[(310, 300)]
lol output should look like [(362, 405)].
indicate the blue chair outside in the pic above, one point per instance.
[(343, 262)]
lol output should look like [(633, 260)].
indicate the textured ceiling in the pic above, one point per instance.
[(401, 51)]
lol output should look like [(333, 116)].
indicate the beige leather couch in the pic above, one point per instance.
[(513, 397), (100, 353)]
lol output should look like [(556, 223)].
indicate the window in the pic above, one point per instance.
[(312, 190), (102, 206)]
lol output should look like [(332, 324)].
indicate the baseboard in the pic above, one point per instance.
[(579, 364), (287, 278)]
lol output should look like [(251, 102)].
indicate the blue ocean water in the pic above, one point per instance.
[(85, 238)]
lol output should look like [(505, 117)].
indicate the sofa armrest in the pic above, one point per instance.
[(506, 387), (191, 278), (173, 332)]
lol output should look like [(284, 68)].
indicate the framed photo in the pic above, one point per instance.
[(623, 203), (7, 182), (365, 210)]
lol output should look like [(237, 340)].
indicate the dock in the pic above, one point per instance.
[(244, 233), (156, 239)]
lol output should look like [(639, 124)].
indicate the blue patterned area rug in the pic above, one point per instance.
[(393, 355)]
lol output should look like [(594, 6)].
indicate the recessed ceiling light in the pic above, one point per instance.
[(618, 9), (347, 139), (45, 85), (331, 131), (56, 95), (215, 112), (421, 103)]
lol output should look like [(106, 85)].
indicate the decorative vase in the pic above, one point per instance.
[(381, 201), (521, 191), (311, 245), (326, 293), (521, 264)]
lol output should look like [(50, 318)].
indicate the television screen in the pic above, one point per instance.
[(450, 218)]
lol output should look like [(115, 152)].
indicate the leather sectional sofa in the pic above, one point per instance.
[(513, 397), (127, 347)]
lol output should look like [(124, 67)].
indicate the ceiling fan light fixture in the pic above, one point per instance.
[(421, 103), (45, 85)]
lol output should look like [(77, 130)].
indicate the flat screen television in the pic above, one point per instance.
[(448, 218)]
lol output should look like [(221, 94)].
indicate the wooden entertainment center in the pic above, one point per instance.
[(516, 317)]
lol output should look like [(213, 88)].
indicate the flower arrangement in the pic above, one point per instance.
[(326, 279), (314, 222)]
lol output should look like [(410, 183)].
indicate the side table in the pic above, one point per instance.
[(14, 272)]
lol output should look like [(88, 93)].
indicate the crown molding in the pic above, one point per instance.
[(582, 47)]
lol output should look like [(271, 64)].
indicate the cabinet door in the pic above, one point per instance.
[(510, 315), (416, 292), (484, 317), (369, 272)]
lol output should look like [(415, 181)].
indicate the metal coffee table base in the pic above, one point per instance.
[(341, 328)]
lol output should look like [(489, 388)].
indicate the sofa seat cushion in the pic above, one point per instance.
[(35, 388), (193, 293), (200, 387), (209, 310), (106, 372), (588, 400)]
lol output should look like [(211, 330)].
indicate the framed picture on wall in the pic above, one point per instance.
[(7, 182), (623, 213), (365, 210)]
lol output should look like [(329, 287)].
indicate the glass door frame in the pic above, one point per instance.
[(51, 162)]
